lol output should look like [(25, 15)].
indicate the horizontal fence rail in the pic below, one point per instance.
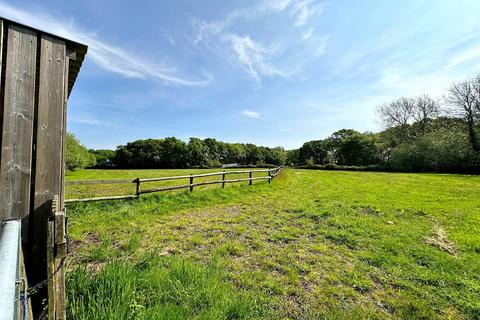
[(271, 173)]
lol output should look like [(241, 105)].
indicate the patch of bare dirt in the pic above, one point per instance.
[(440, 240), (95, 267), (92, 237), (169, 250)]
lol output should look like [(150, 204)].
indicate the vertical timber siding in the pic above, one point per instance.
[(37, 73), (17, 128), (2, 82), (50, 122), (49, 149)]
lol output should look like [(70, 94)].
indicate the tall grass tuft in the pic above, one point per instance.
[(159, 288)]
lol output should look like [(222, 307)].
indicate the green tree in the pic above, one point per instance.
[(253, 154), (314, 151), (234, 153), (104, 158), (352, 148), (293, 157), (443, 150), (174, 153), (140, 154), (197, 153), (77, 156), (276, 156)]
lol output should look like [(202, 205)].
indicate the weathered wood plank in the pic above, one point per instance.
[(60, 297), (51, 93), (64, 128), (51, 261), (49, 157), (88, 182), (61, 254), (1, 45), (17, 129), (101, 198), (2, 212)]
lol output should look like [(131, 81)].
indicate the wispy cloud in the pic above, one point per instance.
[(322, 46), (300, 10), (465, 56), (254, 58), (105, 55), (93, 122), (250, 114), (308, 34), (258, 59)]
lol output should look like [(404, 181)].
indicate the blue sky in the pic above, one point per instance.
[(271, 72)]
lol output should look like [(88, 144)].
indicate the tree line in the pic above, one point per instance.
[(172, 153), (420, 134)]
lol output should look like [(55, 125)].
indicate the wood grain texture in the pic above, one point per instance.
[(60, 255), (1, 61), (51, 261), (17, 129), (50, 121), (101, 198), (89, 182), (60, 298), (64, 135), (49, 159), (2, 212)]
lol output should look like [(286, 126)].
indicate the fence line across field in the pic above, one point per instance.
[(271, 174)]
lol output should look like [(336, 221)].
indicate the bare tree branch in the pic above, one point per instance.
[(425, 108), (397, 113), (464, 101)]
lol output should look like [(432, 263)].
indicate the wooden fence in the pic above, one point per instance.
[(270, 174)]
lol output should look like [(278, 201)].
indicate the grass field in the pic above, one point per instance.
[(311, 245)]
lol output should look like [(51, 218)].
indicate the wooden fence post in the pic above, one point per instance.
[(270, 176), (223, 181), (137, 189), (191, 184), (250, 175), (51, 263)]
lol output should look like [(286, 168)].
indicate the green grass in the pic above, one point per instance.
[(313, 244), (158, 288)]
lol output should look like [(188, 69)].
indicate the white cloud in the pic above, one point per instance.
[(300, 10), (254, 58), (105, 55), (308, 34), (277, 5), (464, 56), (250, 114), (398, 80), (322, 46), (94, 122)]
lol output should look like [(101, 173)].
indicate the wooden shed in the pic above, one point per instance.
[(37, 74)]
